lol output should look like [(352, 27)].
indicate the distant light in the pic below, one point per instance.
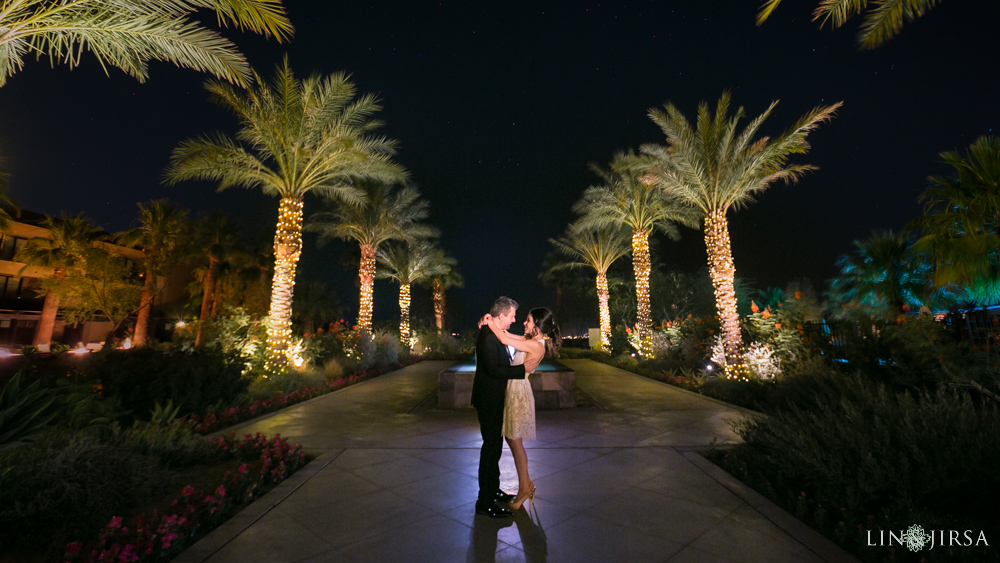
[(5, 353), (181, 324), (708, 368), (80, 350), (127, 344)]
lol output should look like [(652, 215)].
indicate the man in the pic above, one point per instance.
[(489, 388)]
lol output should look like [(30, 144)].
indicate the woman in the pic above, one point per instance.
[(541, 338)]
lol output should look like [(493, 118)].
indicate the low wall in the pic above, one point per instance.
[(554, 388)]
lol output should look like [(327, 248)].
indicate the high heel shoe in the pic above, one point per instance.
[(521, 497), (518, 501)]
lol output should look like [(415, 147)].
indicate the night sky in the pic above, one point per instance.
[(499, 107)]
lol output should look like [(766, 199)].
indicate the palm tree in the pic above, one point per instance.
[(597, 249), (295, 137), (961, 221), (883, 278), (129, 33), (7, 203), (214, 238), (625, 199), (714, 168), (65, 247), (409, 262), (159, 233), (385, 214), (557, 274), (440, 285), (882, 22)]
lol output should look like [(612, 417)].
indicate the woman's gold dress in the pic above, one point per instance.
[(519, 406)]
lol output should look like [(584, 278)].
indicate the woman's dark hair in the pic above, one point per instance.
[(545, 323)]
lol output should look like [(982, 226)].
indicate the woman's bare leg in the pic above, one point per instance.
[(524, 484)]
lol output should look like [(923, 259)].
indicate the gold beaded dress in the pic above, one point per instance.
[(519, 405)]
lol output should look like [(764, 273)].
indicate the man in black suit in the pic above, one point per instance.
[(489, 389)]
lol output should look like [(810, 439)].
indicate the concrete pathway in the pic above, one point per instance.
[(617, 479)]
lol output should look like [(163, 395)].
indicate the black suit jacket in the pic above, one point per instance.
[(493, 368)]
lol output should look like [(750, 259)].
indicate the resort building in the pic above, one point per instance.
[(21, 303)]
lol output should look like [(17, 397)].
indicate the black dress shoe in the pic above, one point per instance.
[(503, 497), (491, 510)]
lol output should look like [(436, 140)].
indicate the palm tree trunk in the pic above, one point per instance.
[(404, 314), (438, 288), (145, 308), (287, 249), (47, 322), (207, 298), (366, 272), (723, 273), (605, 311), (641, 267)]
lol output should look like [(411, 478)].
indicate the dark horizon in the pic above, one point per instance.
[(499, 109)]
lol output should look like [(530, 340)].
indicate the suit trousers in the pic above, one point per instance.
[(490, 413)]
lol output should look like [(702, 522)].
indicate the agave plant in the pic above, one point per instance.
[(23, 412)]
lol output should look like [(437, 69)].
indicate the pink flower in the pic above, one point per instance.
[(243, 468), (188, 491), (116, 522)]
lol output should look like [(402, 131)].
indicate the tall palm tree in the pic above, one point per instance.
[(295, 137), (214, 239), (882, 278), (64, 248), (882, 22), (129, 33), (409, 262), (386, 213), (597, 249), (440, 285), (712, 167), (961, 221), (626, 199), (160, 233)]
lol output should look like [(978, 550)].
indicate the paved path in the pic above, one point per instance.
[(617, 479)]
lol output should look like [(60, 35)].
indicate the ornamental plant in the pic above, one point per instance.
[(155, 536)]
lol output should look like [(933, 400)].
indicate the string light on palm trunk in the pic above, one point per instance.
[(605, 311), (287, 249), (367, 277), (723, 274), (641, 265), (404, 314), (438, 289)]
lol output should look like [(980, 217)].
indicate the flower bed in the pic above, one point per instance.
[(158, 537), (227, 417)]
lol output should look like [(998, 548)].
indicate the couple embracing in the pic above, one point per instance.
[(503, 400)]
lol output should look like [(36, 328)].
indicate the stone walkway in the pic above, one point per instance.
[(617, 479)]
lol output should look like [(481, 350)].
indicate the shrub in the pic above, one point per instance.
[(29, 350), (195, 381), (434, 346), (388, 348), (65, 485), (876, 452)]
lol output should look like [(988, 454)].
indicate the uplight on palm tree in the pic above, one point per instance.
[(408, 263), (882, 279), (65, 247), (385, 214), (295, 137), (127, 34), (712, 167), (159, 233), (626, 199), (440, 285), (597, 249)]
